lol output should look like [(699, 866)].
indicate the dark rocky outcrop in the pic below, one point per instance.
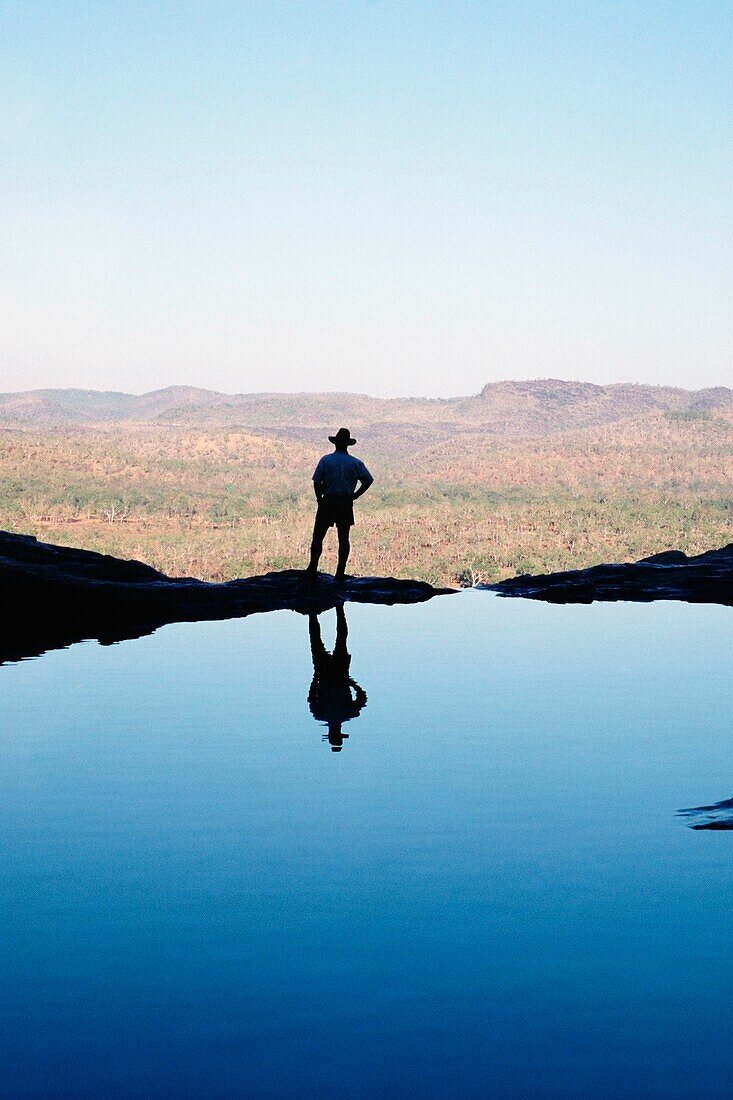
[(55, 595), (706, 578)]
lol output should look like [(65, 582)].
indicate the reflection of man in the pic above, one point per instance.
[(334, 480), (334, 697)]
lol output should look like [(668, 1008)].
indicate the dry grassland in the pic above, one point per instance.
[(219, 502)]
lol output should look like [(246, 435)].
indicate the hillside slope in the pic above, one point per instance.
[(531, 408)]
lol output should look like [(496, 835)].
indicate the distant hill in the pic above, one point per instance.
[(514, 409), (52, 408)]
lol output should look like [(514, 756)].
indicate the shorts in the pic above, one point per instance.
[(337, 509)]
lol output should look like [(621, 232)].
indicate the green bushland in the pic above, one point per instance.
[(218, 502)]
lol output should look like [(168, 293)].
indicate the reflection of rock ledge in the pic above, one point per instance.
[(707, 578), (54, 595)]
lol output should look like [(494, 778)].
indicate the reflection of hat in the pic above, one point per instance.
[(343, 436), (335, 736)]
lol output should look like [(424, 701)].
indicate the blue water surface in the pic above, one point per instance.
[(485, 893)]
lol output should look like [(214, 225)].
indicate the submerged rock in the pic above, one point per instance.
[(55, 595), (717, 816), (705, 578)]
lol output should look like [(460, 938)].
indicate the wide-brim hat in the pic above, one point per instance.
[(343, 436)]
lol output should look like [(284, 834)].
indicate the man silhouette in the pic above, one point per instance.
[(334, 481), (334, 697)]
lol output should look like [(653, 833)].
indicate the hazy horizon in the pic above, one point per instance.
[(386, 198), (353, 393)]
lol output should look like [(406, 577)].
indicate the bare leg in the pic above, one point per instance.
[(344, 548), (316, 547), (316, 551)]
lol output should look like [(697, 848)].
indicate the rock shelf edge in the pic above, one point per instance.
[(672, 575), (55, 595)]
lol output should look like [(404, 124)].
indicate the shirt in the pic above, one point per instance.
[(338, 473)]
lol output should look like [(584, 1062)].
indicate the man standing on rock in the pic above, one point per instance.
[(334, 480)]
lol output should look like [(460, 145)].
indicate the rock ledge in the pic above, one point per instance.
[(55, 595), (705, 578)]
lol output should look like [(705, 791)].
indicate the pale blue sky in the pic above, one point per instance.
[(393, 198)]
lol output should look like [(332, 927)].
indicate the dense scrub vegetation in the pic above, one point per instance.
[(217, 502)]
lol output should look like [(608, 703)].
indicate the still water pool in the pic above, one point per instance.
[(476, 885)]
